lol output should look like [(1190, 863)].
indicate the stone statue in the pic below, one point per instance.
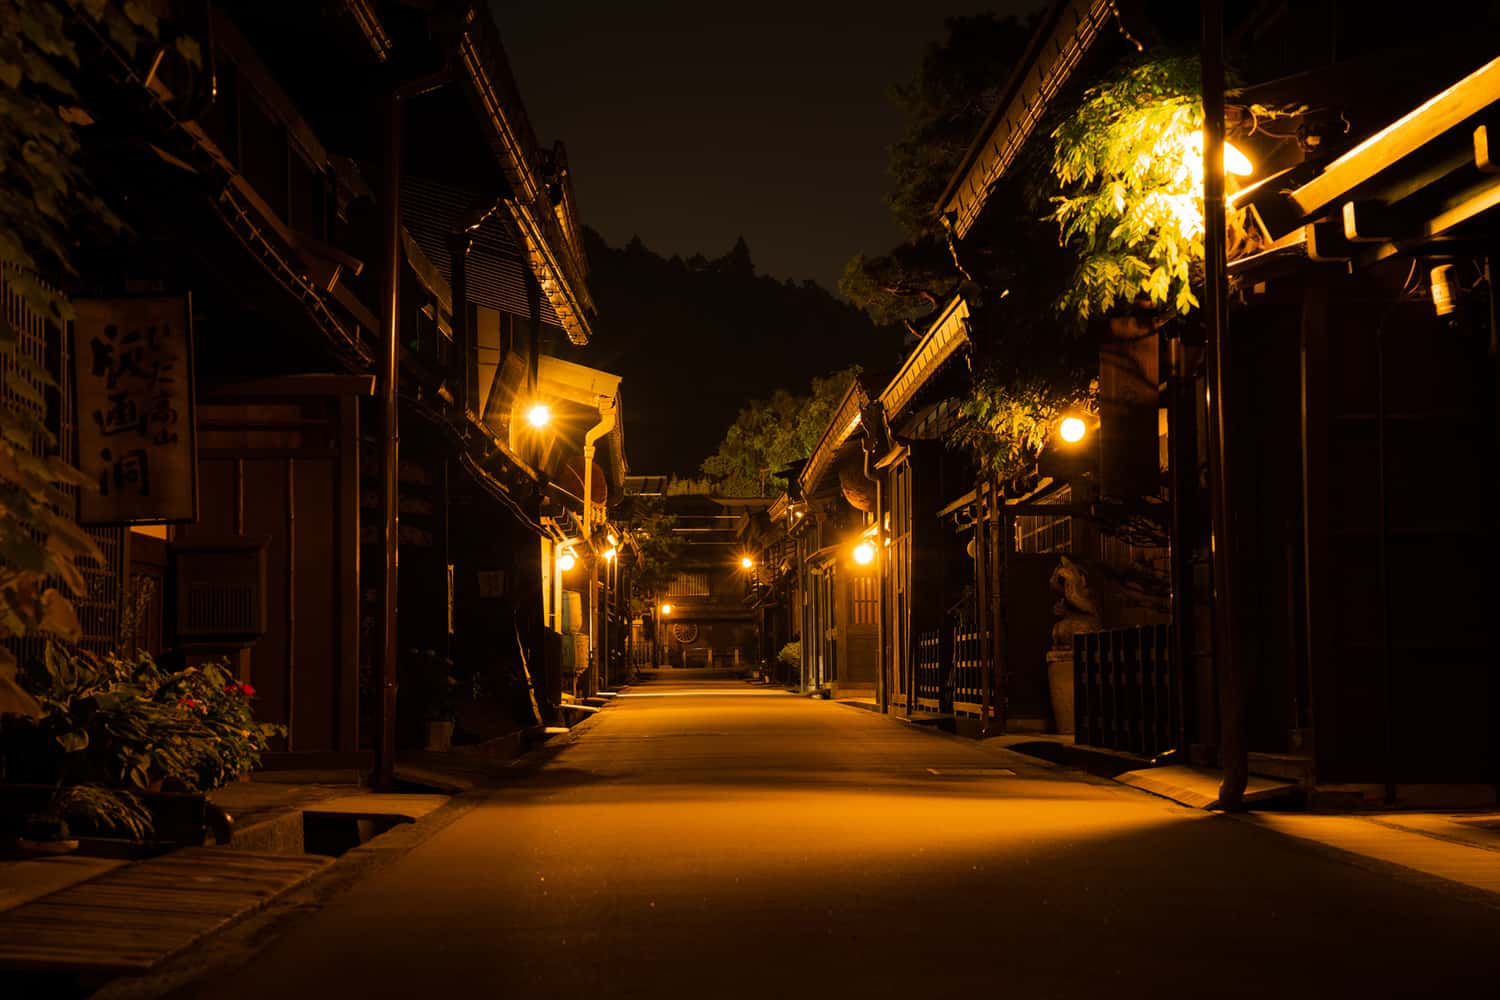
[(1076, 609)]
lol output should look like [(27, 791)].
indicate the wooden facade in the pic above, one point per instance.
[(252, 188)]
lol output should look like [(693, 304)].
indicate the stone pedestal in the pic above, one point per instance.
[(1060, 684)]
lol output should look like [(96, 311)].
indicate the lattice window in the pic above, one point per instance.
[(1043, 533), (865, 594), (99, 608), (689, 585)]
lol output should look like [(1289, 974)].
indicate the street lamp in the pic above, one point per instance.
[(539, 415), (1072, 429)]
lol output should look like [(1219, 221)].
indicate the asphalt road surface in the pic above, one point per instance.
[(716, 840)]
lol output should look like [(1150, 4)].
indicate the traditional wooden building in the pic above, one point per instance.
[(1355, 375), (349, 195)]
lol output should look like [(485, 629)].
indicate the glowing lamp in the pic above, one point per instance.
[(566, 561), (746, 562), (1237, 163), (666, 609), (539, 415), (864, 553), (1072, 429), (609, 554)]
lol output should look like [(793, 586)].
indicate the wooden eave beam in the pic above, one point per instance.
[(552, 259), (1403, 137), (947, 334), (1066, 34), (845, 420)]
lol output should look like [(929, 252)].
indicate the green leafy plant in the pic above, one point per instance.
[(125, 722), (1005, 425), (45, 203), (103, 810), (790, 654), (428, 676), (770, 433), (1129, 168)]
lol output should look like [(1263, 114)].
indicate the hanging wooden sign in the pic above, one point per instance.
[(133, 373)]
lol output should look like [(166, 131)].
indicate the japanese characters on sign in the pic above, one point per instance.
[(133, 370)]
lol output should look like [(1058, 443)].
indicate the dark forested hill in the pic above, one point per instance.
[(696, 339)]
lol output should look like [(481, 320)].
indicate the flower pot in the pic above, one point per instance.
[(1060, 685), (440, 736)]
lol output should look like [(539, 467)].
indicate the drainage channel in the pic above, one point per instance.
[(334, 834)]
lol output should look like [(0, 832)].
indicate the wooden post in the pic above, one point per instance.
[(388, 375), (982, 603), (1233, 748)]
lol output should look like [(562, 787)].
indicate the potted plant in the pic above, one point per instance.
[(73, 809), (428, 676), (131, 728)]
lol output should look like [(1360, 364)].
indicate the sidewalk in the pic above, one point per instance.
[(1459, 847), (97, 918)]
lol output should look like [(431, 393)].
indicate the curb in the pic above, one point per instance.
[(178, 977)]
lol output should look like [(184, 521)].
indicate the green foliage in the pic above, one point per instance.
[(650, 552), (791, 654), (125, 722), (901, 286), (1005, 425), (1129, 169), (771, 433), (44, 201), (945, 104), (426, 677), (105, 810)]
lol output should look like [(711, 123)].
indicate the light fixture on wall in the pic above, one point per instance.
[(539, 415), (567, 560)]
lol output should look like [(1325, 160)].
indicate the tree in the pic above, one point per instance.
[(945, 103), (770, 434), (1129, 169)]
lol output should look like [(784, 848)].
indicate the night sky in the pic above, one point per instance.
[(691, 123)]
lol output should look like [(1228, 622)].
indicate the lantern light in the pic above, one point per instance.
[(539, 415), (666, 609), (864, 553), (566, 561), (1072, 429), (746, 562)]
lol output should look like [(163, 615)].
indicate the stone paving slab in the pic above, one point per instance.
[(410, 806), (127, 920), (1476, 867), (1198, 787), (24, 880)]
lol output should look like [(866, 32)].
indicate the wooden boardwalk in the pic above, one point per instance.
[(127, 920)]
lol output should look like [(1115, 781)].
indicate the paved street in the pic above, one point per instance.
[(712, 840)]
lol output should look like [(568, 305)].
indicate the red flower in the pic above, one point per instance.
[(188, 702), (244, 689)]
